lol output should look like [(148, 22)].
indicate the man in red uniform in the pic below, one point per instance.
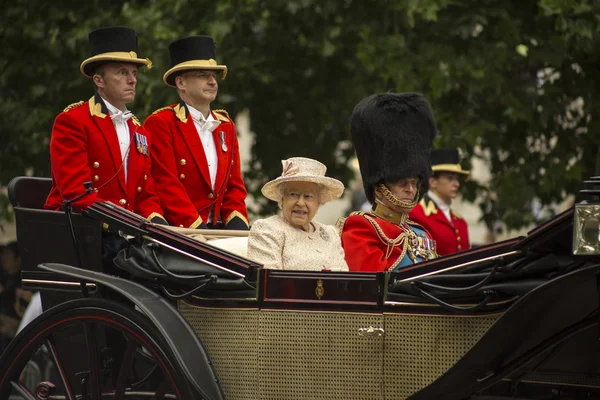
[(446, 226), (196, 164), (392, 135), (99, 141)]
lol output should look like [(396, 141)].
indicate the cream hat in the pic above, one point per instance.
[(300, 169)]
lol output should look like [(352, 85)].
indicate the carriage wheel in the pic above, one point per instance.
[(90, 349)]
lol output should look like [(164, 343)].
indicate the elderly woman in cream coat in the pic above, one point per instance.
[(292, 240)]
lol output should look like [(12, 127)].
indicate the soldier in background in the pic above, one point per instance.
[(447, 227)]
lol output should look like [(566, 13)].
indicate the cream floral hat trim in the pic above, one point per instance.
[(300, 169)]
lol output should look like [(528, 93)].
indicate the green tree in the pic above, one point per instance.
[(513, 83)]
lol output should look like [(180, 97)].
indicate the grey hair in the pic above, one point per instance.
[(283, 186)]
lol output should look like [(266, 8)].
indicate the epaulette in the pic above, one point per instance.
[(135, 120), (359, 213), (339, 225), (72, 106), (222, 115), (163, 109), (456, 214)]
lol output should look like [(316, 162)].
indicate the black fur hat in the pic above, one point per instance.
[(392, 135)]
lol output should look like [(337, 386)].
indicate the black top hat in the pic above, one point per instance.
[(447, 160), (116, 43), (392, 135), (190, 53)]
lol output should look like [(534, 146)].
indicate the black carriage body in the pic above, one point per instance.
[(516, 319)]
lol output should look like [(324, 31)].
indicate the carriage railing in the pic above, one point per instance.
[(122, 222)]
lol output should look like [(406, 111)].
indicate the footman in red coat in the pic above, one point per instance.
[(100, 141), (196, 164), (447, 227)]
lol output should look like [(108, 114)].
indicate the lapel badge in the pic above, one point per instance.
[(141, 143), (222, 137)]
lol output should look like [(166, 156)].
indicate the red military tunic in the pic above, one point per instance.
[(85, 148), (181, 173), (374, 243), (450, 236)]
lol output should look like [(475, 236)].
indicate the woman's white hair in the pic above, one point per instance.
[(281, 188)]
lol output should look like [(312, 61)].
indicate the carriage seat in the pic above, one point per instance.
[(29, 191), (235, 245), (44, 236)]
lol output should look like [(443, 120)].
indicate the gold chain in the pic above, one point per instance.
[(394, 200)]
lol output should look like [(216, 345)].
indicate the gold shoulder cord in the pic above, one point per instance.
[(400, 240)]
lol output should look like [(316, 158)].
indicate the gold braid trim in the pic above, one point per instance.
[(72, 106), (457, 215), (155, 214), (163, 109), (236, 214), (394, 200), (400, 240), (196, 223), (136, 121), (385, 213), (180, 113), (429, 207), (222, 115)]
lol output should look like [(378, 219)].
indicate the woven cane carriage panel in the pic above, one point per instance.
[(420, 348), (230, 337), (319, 355)]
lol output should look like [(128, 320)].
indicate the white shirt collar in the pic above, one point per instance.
[(198, 116), (441, 204), (112, 109)]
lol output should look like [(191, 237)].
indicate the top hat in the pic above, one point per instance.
[(392, 134), (190, 53), (300, 169), (447, 160), (112, 44)]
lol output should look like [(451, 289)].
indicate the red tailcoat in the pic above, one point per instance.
[(85, 148), (374, 244), (450, 237), (181, 174)]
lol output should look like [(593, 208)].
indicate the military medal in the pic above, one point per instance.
[(223, 145), (141, 143)]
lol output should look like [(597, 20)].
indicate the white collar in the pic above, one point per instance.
[(112, 109), (441, 204), (198, 116)]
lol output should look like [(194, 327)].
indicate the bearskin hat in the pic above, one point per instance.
[(393, 135)]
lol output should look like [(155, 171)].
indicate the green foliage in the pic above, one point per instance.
[(512, 82)]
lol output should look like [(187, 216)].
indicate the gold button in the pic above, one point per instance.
[(211, 196), (96, 164), (181, 225), (182, 176), (145, 177), (459, 247), (456, 230), (122, 202), (458, 238), (139, 189), (182, 161), (96, 178)]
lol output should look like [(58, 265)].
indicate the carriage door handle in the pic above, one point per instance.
[(370, 331)]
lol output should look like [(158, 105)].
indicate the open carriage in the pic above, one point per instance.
[(176, 318)]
